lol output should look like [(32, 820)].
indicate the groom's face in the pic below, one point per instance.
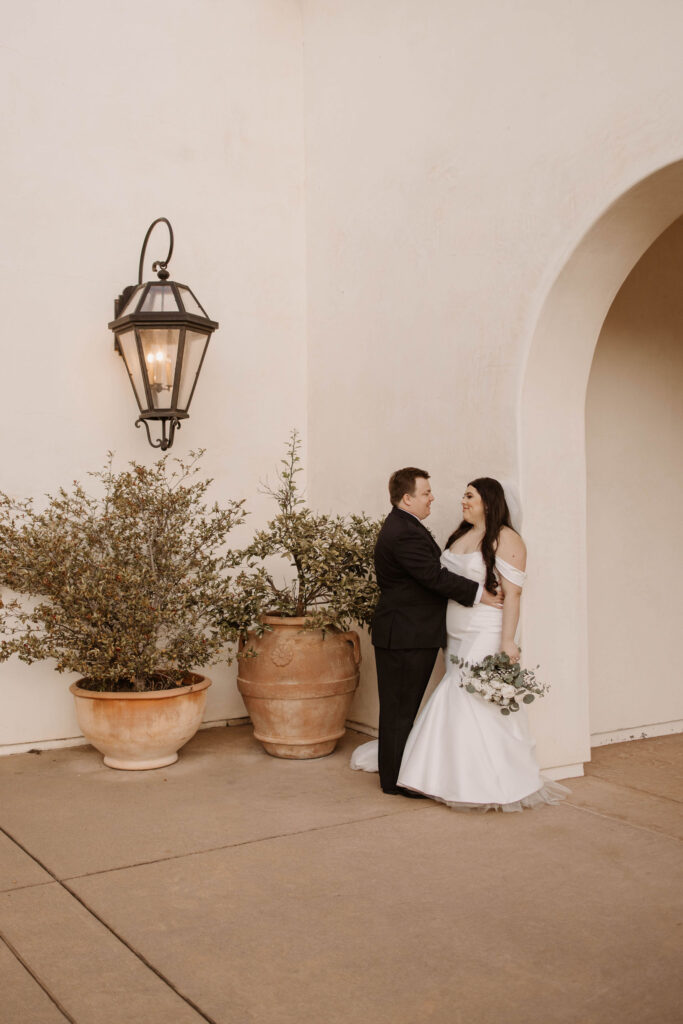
[(420, 503)]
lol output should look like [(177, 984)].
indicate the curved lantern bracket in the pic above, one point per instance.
[(162, 273)]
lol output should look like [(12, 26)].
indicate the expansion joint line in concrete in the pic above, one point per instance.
[(635, 789), (236, 846), (119, 938), (29, 970), (621, 821), (29, 885)]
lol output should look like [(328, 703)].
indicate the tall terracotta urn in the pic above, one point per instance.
[(138, 731), (299, 685)]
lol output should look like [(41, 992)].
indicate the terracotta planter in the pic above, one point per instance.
[(299, 687), (136, 731)]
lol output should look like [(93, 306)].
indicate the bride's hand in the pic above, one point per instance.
[(492, 600), (510, 648)]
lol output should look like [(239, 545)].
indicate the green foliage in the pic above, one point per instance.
[(131, 588), (334, 583)]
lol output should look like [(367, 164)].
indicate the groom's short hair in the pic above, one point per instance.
[(403, 482)]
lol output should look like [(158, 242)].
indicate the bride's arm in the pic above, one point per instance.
[(512, 550), (511, 605)]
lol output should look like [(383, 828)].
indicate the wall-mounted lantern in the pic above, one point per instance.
[(162, 332)]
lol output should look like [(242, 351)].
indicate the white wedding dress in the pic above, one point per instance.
[(461, 750)]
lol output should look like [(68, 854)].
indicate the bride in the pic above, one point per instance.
[(461, 750)]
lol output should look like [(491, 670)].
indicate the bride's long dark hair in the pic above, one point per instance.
[(496, 515)]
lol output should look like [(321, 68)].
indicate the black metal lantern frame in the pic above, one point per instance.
[(162, 333)]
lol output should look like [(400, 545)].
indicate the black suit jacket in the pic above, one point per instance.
[(414, 588)]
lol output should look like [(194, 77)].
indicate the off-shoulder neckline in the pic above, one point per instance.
[(466, 554)]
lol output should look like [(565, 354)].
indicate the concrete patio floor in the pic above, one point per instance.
[(236, 888)]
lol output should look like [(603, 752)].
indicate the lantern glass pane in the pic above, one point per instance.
[(135, 297), (159, 299), (195, 346), (160, 350), (189, 302), (129, 349)]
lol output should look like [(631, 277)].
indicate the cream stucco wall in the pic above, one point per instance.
[(116, 114), (634, 435), (469, 216), (457, 154)]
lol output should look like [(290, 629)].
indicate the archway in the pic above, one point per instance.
[(553, 454), (634, 438)]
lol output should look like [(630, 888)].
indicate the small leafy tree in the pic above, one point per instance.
[(129, 588), (332, 556)]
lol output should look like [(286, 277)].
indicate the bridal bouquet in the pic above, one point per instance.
[(499, 681)]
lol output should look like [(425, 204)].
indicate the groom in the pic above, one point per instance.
[(409, 624)]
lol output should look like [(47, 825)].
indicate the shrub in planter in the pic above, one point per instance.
[(299, 688), (128, 586)]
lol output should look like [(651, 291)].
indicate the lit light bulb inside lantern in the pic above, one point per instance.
[(151, 368), (155, 360), (163, 357)]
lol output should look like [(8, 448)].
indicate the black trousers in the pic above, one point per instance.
[(402, 678)]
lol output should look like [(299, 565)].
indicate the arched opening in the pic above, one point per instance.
[(634, 439), (553, 454)]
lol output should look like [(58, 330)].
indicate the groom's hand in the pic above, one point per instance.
[(492, 600)]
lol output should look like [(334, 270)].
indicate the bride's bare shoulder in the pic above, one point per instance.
[(511, 548)]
